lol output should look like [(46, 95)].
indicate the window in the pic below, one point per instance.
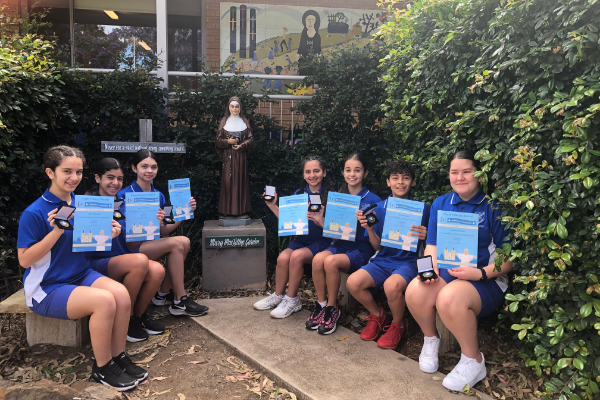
[(115, 34), (184, 39)]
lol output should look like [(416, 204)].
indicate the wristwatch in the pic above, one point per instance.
[(483, 275)]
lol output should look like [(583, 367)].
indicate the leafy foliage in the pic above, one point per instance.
[(345, 115), (519, 82), (30, 97)]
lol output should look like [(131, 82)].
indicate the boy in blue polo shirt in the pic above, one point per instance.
[(393, 268)]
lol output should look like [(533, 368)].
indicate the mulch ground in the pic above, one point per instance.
[(188, 363)]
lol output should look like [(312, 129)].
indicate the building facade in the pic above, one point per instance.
[(177, 39)]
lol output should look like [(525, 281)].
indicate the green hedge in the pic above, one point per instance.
[(520, 83)]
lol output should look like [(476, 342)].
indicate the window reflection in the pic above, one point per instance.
[(115, 34), (185, 39)]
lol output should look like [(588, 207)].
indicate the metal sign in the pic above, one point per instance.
[(237, 241)]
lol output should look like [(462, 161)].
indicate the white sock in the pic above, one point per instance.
[(429, 338), (278, 295), (291, 298), (323, 304), (162, 294), (176, 301), (463, 357)]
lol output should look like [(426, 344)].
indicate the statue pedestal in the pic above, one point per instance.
[(234, 257)]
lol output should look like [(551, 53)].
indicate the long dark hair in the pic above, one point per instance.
[(141, 155), (326, 184), (102, 167), (358, 157)]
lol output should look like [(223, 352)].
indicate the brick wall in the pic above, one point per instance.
[(13, 10)]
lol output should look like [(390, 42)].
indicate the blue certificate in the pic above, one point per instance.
[(142, 223), (180, 194), (457, 235), (400, 214), (93, 223), (292, 215), (340, 216)]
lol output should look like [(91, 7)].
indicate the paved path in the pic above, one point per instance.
[(319, 367)]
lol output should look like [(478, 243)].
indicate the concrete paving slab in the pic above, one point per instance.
[(319, 367)]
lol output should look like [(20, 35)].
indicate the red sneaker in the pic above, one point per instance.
[(391, 338), (374, 326)]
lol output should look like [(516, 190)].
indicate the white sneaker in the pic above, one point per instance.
[(467, 372), (287, 307), (428, 360), (268, 302)]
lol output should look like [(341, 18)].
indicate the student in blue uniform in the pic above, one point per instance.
[(342, 255), (301, 250), (59, 283), (175, 248), (141, 277), (462, 294), (391, 267)]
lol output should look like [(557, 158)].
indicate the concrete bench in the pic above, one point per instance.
[(44, 330)]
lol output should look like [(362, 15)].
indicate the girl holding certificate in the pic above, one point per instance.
[(341, 255), (175, 248), (141, 277), (301, 250), (461, 294), (59, 283)]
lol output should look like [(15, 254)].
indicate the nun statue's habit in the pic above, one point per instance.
[(234, 142)]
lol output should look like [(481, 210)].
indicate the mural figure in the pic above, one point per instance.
[(283, 42), (275, 46), (267, 83), (310, 40), (278, 83), (233, 143)]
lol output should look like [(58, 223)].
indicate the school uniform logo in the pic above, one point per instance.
[(481, 218)]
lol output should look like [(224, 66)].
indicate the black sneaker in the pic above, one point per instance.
[(315, 317), (188, 307), (131, 369), (165, 300), (329, 323), (136, 331), (152, 327), (112, 375)]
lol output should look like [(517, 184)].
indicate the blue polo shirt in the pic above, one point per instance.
[(491, 230), (119, 245), (60, 266), (388, 256), (315, 232), (362, 242)]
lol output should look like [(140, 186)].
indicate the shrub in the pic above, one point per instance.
[(519, 82), (30, 98)]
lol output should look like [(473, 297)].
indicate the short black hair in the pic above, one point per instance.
[(400, 167), (467, 155)]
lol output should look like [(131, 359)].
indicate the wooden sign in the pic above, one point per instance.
[(144, 143)]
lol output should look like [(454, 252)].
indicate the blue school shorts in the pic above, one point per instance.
[(407, 270), (357, 258), (101, 265), (314, 247), (54, 304), (489, 292)]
